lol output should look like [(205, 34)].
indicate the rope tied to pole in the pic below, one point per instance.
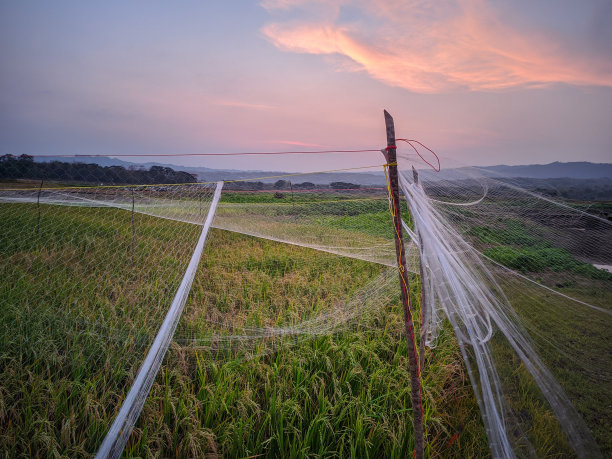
[(409, 142)]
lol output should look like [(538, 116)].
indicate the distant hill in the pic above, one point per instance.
[(573, 170), (24, 167), (577, 170), (107, 161), (213, 175)]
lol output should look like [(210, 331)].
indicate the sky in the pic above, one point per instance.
[(480, 82)]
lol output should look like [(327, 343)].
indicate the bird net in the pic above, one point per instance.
[(91, 267), (514, 274), (88, 274)]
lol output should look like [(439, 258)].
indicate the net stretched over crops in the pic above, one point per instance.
[(91, 264), (515, 274), (89, 273)]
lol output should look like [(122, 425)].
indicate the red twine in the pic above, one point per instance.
[(408, 141)]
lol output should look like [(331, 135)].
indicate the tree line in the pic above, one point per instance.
[(24, 167)]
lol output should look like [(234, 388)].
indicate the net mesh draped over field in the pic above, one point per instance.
[(89, 273)]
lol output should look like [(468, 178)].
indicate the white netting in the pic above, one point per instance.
[(88, 275), (350, 223), (514, 274)]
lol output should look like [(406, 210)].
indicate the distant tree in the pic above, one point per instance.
[(281, 184), (24, 167), (343, 185), (304, 186)]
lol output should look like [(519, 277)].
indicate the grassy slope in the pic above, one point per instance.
[(572, 340)]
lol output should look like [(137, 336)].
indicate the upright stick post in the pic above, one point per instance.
[(415, 379), (133, 227), (200, 204), (38, 207)]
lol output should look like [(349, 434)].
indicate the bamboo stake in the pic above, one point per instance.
[(415, 380), (133, 226), (38, 207)]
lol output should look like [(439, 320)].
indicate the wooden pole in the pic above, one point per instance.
[(415, 379), (200, 204), (38, 207), (133, 227)]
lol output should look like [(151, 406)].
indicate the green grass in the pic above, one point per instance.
[(572, 339), (526, 251), (79, 310), (539, 259), (298, 197), (574, 343)]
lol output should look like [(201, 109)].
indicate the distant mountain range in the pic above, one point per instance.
[(213, 175), (576, 170), (572, 170)]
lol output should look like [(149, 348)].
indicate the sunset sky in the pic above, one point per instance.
[(482, 82)]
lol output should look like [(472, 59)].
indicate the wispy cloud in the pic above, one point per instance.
[(239, 104), (318, 5), (298, 143), (451, 44)]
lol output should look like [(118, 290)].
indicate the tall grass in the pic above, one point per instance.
[(344, 395), (78, 314), (79, 310)]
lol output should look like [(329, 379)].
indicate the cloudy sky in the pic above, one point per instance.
[(482, 82)]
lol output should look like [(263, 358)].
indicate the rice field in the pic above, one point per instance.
[(76, 323), (81, 302)]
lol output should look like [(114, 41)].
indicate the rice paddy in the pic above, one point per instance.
[(81, 304), (73, 334)]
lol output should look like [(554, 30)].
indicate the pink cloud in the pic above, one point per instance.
[(320, 6), (450, 45), (238, 104), (298, 143)]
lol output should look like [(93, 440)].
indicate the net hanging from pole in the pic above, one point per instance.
[(514, 274)]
